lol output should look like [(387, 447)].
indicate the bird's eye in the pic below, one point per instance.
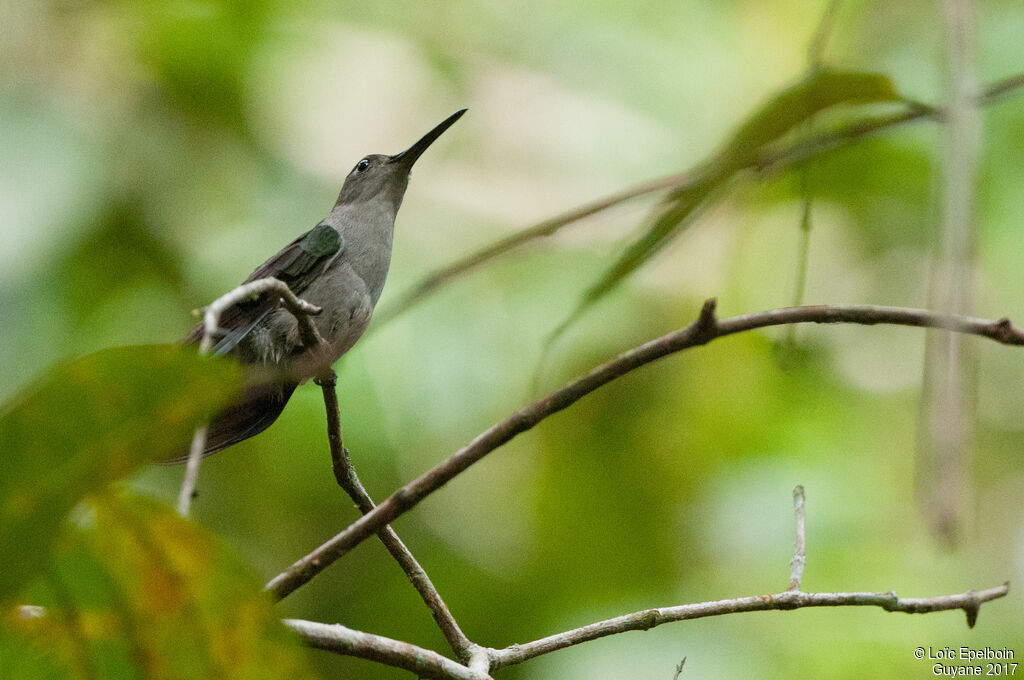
[(362, 165)]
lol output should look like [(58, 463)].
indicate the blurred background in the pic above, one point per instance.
[(155, 153)]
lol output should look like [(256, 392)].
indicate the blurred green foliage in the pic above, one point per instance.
[(155, 153), (88, 423), (785, 112), (138, 592)]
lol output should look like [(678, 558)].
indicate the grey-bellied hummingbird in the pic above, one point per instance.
[(340, 265)]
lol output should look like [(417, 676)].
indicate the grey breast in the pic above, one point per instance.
[(351, 283)]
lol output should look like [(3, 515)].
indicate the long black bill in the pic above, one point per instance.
[(409, 156)]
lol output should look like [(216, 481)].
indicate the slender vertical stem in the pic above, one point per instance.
[(348, 480), (195, 450), (815, 57), (816, 50), (796, 565), (299, 308), (188, 484), (803, 249)]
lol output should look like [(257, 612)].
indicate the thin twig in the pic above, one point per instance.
[(803, 248), (796, 565), (485, 660), (211, 319), (423, 662), (541, 229), (823, 31), (793, 598), (969, 601), (705, 329), (345, 474), (997, 90), (815, 60), (776, 159), (679, 669), (188, 483)]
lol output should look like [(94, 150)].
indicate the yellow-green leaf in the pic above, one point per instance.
[(779, 116), (138, 593), (786, 110), (86, 423)]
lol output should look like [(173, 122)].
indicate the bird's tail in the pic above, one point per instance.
[(255, 410)]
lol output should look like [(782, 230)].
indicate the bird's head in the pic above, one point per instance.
[(378, 176)]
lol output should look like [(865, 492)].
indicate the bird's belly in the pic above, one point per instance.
[(343, 327), (347, 308)]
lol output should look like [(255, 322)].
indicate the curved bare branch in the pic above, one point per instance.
[(211, 319), (705, 329), (484, 660), (969, 601)]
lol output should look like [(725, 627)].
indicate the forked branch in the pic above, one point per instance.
[(341, 640), (429, 664), (348, 480), (706, 328)]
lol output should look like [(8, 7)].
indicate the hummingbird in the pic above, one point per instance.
[(339, 265)]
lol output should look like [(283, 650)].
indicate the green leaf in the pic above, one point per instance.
[(136, 592), (19, 660), (797, 103), (780, 116), (86, 423)]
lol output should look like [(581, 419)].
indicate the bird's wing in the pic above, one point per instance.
[(297, 265), (255, 409)]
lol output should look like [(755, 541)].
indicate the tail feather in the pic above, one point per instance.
[(255, 410)]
